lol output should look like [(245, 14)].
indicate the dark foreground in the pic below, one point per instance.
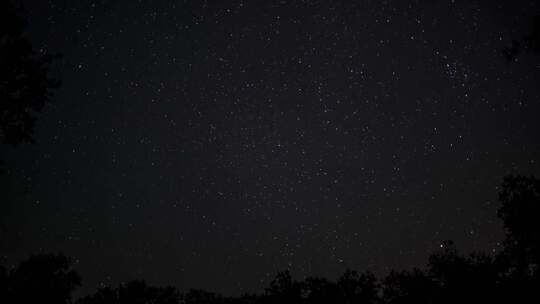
[(510, 276)]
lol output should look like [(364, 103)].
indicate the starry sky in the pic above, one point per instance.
[(210, 144)]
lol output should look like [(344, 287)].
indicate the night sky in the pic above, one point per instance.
[(210, 144)]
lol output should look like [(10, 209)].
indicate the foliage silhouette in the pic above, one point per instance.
[(520, 198), (510, 276), (358, 288), (133, 292), (25, 85), (529, 43), (461, 278), (413, 286), (284, 289), (46, 278)]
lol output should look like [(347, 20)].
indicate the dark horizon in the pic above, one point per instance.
[(211, 145)]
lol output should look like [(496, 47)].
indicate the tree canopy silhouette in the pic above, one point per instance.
[(511, 276), (520, 198), (47, 278), (528, 43), (133, 292), (25, 85)]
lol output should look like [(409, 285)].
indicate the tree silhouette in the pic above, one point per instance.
[(197, 296), (511, 276), (356, 288), (284, 289), (520, 198), (409, 287), (133, 292), (528, 43), (472, 278), (25, 85), (46, 278), (320, 290)]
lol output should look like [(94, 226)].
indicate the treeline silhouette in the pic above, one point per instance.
[(509, 276)]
